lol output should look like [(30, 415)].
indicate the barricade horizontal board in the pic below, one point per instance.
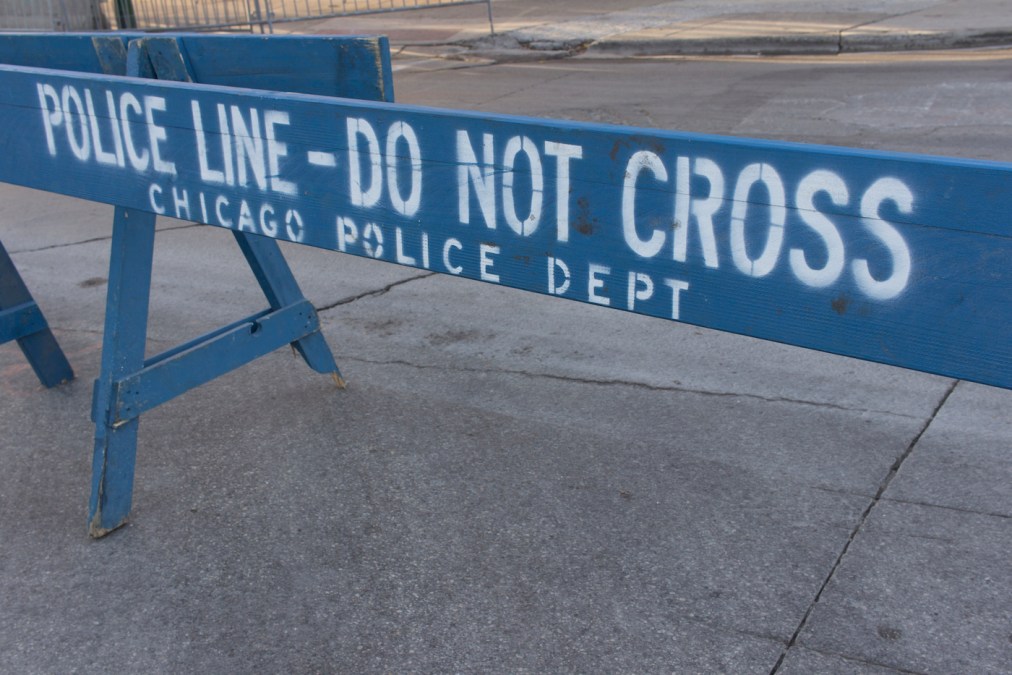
[(81, 52), (357, 66), (894, 258)]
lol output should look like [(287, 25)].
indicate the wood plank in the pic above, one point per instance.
[(894, 258), (327, 65), (80, 52)]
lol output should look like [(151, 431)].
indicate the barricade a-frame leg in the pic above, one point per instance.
[(126, 321), (22, 320), (278, 284), (129, 384)]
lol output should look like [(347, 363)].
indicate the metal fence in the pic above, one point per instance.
[(186, 14), (65, 15), (53, 15)]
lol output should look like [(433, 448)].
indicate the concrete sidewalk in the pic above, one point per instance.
[(538, 29)]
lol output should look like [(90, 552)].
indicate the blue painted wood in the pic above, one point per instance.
[(348, 66), (22, 320), (356, 67), (895, 258), (80, 52), (327, 65), (165, 57), (167, 377), (126, 320), (196, 342), (168, 60), (122, 395), (279, 285), (111, 53)]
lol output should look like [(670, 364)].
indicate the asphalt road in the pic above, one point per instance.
[(512, 483), (945, 102)]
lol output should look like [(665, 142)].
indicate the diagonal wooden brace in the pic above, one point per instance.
[(22, 320), (170, 374), (278, 284)]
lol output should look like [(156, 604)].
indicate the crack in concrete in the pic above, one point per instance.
[(914, 502), (883, 486), (723, 628), (523, 90), (62, 245), (94, 239), (958, 509), (624, 383), (373, 293), (866, 662), (841, 491)]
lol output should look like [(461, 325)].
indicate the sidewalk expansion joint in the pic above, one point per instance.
[(883, 486)]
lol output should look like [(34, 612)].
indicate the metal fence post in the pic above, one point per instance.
[(125, 15)]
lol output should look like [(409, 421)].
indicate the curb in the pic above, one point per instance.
[(505, 48), (763, 45)]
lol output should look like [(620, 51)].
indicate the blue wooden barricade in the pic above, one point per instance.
[(351, 67), (894, 258)]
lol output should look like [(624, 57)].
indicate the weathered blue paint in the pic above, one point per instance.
[(80, 52), (282, 291), (122, 394), (83, 53), (895, 258), (22, 320), (164, 378), (123, 341), (349, 66), (357, 67)]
